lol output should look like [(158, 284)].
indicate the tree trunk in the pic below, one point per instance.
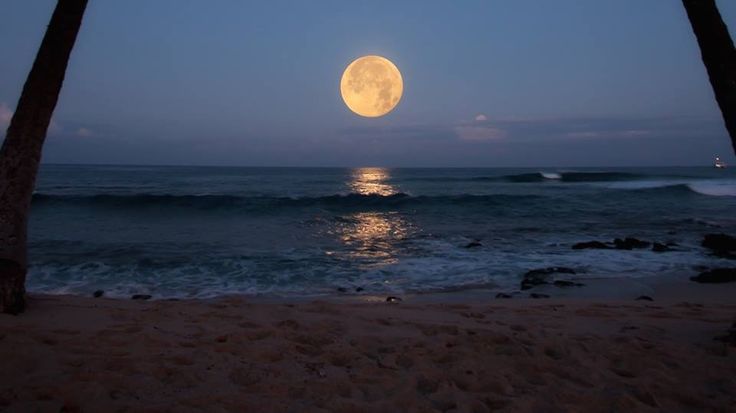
[(719, 57), (21, 151)]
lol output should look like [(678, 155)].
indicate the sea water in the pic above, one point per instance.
[(210, 231)]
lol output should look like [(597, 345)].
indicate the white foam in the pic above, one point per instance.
[(644, 184), (705, 187), (714, 188), (550, 175)]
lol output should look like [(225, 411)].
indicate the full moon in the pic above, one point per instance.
[(371, 86)]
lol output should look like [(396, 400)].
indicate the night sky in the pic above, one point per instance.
[(486, 83)]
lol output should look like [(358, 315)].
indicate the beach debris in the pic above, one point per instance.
[(540, 276), (721, 245), (591, 245), (644, 298), (141, 297), (98, 293), (392, 299), (630, 243), (538, 295), (503, 295), (716, 275), (473, 244)]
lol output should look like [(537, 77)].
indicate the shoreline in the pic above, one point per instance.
[(444, 352), (667, 288)]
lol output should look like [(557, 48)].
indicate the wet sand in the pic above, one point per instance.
[(581, 351)]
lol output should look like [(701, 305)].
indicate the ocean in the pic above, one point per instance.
[(177, 232)]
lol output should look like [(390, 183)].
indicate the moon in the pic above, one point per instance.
[(371, 86)]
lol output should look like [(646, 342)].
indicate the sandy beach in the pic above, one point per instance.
[(430, 353)]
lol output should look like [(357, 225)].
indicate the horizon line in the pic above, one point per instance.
[(174, 165)]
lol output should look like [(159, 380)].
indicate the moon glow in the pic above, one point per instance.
[(371, 86)]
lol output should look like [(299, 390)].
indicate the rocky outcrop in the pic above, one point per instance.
[(543, 276), (141, 297), (721, 245), (566, 283), (716, 276), (659, 247), (473, 244), (630, 243), (591, 245)]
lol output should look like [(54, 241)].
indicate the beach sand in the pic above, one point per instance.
[(451, 352)]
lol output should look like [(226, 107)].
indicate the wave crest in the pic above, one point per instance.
[(214, 202)]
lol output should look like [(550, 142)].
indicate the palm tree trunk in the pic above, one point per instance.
[(21, 151), (719, 57)]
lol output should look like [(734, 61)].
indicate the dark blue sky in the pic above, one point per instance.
[(558, 83)]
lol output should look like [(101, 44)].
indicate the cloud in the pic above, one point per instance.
[(54, 128), (583, 135), (480, 130), (83, 132), (402, 132), (635, 133), (479, 133), (5, 115), (573, 133)]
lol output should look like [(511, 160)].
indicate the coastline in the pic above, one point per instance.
[(585, 349)]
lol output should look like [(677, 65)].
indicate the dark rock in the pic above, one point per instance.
[(503, 295), (537, 295), (717, 275), (658, 247), (550, 270), (541, 276), (359, 289), (597, 245), (393, 299), (342, 289), (644, 298), (141, 297), (722, 245), (531, 281), (473, 244), (98, 294), (629, 243), (719, 242), (565, 283)]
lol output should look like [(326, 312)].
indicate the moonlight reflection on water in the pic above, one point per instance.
[(372, 236)]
